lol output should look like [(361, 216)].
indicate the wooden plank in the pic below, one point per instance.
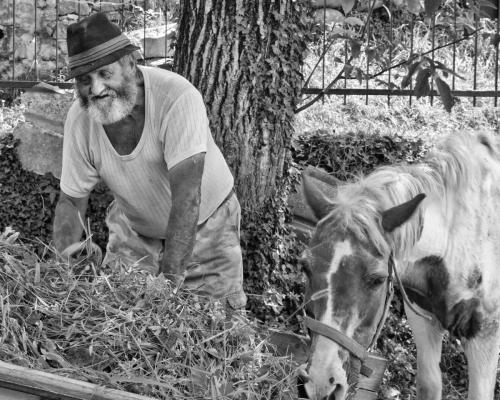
[(7, 394), (29, 84), (54, 387)]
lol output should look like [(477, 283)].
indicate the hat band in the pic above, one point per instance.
[(95, 53)]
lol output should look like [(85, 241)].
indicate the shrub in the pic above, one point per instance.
[(127, 330), (29, 200), (272, 278), (356, 153)]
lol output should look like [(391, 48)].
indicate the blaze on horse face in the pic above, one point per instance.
[(354, 277)]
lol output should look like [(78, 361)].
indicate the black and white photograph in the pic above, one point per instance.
[(249, 200)]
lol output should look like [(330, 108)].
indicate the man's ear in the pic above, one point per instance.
[(398, 215)]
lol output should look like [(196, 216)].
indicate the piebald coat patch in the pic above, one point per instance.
[(341, 250)]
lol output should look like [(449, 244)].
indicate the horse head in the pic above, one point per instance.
[(347, 288)]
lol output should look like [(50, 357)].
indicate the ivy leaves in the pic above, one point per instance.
[(425, 69), (29, 201)]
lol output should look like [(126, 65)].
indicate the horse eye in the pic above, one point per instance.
[(374, 281)]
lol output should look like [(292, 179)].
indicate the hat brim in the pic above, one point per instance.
[(109, 59)]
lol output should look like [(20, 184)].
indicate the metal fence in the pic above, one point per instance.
[(13, 19), (463, 40), (334, 71)]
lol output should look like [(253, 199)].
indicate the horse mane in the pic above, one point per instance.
[(456, 165)]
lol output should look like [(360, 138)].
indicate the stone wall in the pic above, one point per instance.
[(38, 25), (41, 133)]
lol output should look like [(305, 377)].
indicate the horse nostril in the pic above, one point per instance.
[(301, 381), (331, 380)]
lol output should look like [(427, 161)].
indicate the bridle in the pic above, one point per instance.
[(356, 349)]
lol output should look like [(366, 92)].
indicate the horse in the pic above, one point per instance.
[(435, 225)]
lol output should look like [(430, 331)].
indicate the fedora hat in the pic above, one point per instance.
[(93, 42)]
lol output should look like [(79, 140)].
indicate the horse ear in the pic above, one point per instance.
[(396, 216), (315, 198)]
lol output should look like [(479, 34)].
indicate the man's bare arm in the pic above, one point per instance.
[(67, 224), (185, 185)]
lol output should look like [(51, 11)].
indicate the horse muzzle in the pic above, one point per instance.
[(322, 387)]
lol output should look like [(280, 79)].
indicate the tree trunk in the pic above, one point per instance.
[(245, 58)]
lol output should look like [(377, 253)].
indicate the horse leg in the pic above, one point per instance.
[(428, 336), (482, 358)]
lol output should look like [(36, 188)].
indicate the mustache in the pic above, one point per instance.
[(86, 101), (106, 93)]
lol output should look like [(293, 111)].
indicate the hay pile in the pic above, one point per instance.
[(129, 331)]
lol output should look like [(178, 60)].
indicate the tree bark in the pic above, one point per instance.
[(245, 58)]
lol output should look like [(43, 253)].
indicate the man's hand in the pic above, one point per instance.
[(176, 279), (185, 186), (69, 214), (85, 250)]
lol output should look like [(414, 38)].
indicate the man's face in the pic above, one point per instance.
[(109, 93)]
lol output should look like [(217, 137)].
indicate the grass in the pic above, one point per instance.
[(131, 331), (419, 120)]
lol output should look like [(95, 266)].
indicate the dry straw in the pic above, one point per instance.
[(131, 331)]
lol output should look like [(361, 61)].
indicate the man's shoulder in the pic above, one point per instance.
[(164, 81), (76, 114), (78, 126)]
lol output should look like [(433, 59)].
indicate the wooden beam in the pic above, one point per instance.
[(28, 84), (54, 387)]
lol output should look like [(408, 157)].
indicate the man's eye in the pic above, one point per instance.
[(105, 74), (83, 81)]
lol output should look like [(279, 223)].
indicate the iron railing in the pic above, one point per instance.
[(325, 81), (324, 78), (32, 79)]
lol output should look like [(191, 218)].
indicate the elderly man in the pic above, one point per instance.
[(144, 132)]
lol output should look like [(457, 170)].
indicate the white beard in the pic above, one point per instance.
[(116, 106), (111, 109)]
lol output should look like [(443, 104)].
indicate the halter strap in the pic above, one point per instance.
[(388, 297), (338, 337), (356, 349)]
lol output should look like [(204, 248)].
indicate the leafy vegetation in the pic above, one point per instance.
[(354, 154), (28, 201), (399, 47), (273, 279), (128, 330)]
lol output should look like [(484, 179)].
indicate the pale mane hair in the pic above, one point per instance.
[(455, 166)]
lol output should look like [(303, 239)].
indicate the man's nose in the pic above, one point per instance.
[(96, 87)]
